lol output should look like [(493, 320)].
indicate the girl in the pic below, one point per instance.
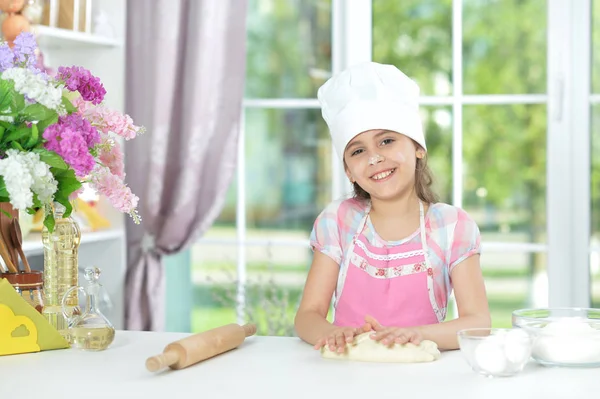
[(392, 254)]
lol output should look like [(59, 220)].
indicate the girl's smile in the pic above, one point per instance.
[(383, 175)]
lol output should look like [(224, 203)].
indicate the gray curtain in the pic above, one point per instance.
[(185, 76)]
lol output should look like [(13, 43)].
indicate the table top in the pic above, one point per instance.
[(269, 367)]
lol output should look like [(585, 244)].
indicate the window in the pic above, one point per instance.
[(505, 133), (595, 158), (492, 72)]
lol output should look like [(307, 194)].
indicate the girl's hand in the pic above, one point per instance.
[(390, 335), (336, 339)]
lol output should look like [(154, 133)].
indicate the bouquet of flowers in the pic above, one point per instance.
[(56, 134)]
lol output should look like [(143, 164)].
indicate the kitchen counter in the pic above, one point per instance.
[(269, 367)]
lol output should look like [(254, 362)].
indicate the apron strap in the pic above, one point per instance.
[(346, 260)]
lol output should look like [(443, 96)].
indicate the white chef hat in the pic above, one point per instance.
[(370, 96)]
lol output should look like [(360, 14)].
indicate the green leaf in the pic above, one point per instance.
[(7, 88), (64, 201), (6, 213), (2, 130), (37, 112), (18, 134), (3, 190), (33, 139), (42, 125), (68, 105), (17, 146), (37, 204), (51, 158), (49, 222), (18, 102), (67, 184)]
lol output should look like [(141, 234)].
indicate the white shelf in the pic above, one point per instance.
[(32, 244), (54, 38)]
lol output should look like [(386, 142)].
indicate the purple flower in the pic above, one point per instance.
[(7, 58), (81, 80), (24, 49), (71, 138)]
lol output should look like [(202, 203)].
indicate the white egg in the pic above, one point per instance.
[(490, 356), (516, 346)]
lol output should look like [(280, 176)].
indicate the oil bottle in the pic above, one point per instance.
[(61, 251)]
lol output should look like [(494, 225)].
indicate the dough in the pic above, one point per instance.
[(366, 349)]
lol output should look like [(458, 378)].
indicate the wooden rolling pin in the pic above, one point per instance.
[(198, 347)]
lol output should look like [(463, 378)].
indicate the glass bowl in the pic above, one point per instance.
[(567, 337), (495, 352)]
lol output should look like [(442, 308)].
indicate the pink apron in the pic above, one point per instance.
[(392, 284)]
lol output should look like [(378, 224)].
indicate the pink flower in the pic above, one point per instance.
[(115, 190), (81, 80), (108, 120), (111, 156), (71, 138)]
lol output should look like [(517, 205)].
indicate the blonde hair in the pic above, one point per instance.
[(423, 183)]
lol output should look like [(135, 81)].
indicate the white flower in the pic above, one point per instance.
[(33, 86), (24, 174)]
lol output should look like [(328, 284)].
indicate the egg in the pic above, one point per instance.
[(490, 356), (517, 346)]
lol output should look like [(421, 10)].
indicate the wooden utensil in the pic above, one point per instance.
[(5, 227), (17, 239), (6, 256), (195, 348)]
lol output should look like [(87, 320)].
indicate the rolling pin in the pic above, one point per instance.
[(198, 347)]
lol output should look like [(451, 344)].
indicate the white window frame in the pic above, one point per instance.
[(568, 102), (568, 165)]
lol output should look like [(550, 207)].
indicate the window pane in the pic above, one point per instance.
[(214, 262), (513, 280), (505, 171), (596, 46), (416, 36), (437, 122), (595, 193), (276, 276), (288, 171), (504, 46), (289, 47)]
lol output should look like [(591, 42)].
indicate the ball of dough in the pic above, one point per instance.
[(366, 349)]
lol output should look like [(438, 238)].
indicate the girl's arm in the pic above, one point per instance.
[(471, 300), (311, 318), (472, 309)]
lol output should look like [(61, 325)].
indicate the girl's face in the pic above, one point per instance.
[(382, 162)]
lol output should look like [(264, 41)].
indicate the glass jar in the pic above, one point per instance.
[(29, 285)]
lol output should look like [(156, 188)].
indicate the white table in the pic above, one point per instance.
[(269, 367)]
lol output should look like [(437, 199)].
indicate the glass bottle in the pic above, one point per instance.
[(91, 330), (61, 249)]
